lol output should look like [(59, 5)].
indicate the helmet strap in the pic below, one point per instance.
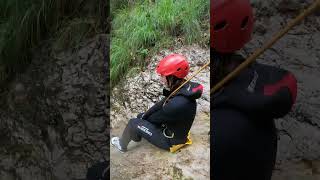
[(173, 82)]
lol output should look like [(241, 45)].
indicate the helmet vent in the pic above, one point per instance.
[(178, 69), (220, 25), (244, 22)]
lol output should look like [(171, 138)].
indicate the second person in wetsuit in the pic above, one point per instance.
[(244, 136)]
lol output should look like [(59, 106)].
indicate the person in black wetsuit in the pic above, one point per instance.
[(244, 136), (166, 125)]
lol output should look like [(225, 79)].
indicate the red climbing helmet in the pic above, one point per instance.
[(231, 24), (173, 64)]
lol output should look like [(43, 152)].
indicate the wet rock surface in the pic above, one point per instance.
[(299, 52), (53, 116), (137, 94)]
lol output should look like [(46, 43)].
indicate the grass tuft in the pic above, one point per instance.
[(140, 28)]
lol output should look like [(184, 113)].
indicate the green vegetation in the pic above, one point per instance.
[(140, 28), (24, 24)]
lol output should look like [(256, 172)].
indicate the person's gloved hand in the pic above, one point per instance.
[(140, 115)]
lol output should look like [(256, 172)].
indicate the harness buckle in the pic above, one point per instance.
[(165, 135)]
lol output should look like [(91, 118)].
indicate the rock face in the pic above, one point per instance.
[(143, 160), (299, 52), (53, 117)]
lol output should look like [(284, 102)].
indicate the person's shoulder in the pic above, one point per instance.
[(178, 103), (266, 68), (180, 100), (191, 90)]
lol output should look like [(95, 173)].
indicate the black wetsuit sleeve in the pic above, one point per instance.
[(170, 112), (154, 108)]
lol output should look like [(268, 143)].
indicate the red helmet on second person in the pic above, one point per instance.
[(231, 24), (173, 64)]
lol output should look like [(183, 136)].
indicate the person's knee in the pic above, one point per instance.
[(133, 122)]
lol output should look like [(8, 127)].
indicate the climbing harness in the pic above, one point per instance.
[(164, 132), (176, 147), (258, 52)]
